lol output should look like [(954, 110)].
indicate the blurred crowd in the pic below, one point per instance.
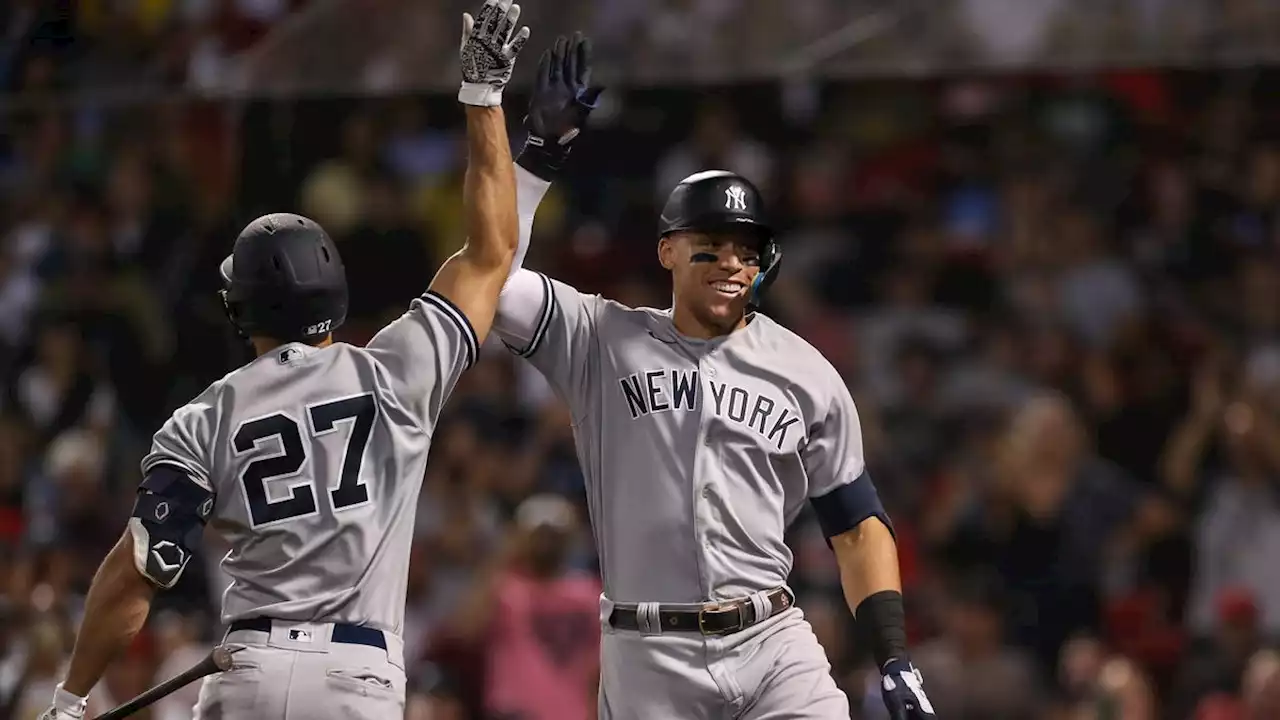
[(126, 48), (1056, 301), (52, 46)]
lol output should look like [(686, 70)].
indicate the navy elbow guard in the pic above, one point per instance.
[(844, 508), (167, 523)]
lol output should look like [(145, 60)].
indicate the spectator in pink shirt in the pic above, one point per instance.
[(538, 621)]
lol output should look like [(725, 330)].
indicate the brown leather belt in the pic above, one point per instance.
[(713, 619)]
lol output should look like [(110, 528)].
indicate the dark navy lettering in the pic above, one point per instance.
[(660, 391), (655, 390), (635, 401), (784, 423), (737, 404), (764, 406), (754, 411), (684, 384)]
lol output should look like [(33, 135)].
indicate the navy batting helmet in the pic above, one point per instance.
[(720, 200), (285, 280)]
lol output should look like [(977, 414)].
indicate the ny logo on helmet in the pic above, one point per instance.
[(735, 198)]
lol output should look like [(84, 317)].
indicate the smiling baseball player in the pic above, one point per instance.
[(702, 431), (308, 460)]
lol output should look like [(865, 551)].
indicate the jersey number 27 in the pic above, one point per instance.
[(358, 410)]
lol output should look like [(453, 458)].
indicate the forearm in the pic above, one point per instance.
[(868, 559), (117, 606), (530, 189), (524, 294), (489, 189)]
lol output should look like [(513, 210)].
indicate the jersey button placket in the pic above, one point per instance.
[(702, 484), (709, 372)]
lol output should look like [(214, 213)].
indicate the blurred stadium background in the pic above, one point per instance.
[(1038, 238)]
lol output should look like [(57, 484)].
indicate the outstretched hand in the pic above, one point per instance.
[(563, 97), (488, 51)]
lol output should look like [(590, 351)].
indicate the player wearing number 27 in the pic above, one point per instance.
[(309, 459), (702, 431)]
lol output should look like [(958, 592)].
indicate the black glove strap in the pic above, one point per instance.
[(544, 158), (881, 623)]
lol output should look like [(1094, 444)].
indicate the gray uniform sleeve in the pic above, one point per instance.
[(186, 439), (833, 455), (424, 352), (553, 326), (840, 489)]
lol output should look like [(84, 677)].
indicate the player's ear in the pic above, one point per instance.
[(667, 252)]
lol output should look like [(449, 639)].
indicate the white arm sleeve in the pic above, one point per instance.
[(547, 322), (530, 189), (520, 306)]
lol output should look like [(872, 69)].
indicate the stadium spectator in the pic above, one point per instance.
[(1055, 300)]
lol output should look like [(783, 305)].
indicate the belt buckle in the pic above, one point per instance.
[(702, 621)]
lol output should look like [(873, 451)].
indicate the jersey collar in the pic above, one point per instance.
[(710, 344)]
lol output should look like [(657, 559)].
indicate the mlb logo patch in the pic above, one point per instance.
[(298, 635)]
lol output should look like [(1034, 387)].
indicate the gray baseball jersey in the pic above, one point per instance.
[(316, 457), (697, 454)]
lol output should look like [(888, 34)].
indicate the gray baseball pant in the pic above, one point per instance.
[(774, 670), (296, 673)]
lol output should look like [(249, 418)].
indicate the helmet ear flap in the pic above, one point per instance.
[(229, 308), (771, 261)]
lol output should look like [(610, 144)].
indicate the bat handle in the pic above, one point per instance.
[(219, 660)]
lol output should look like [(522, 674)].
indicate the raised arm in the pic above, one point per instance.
[(563, 97), (472, 279)]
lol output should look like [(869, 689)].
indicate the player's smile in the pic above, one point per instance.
[(725, 291), (731, 289)]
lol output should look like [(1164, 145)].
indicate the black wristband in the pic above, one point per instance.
[(542, 157), (881, 623)]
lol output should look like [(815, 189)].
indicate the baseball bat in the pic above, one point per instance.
[(218, 660)]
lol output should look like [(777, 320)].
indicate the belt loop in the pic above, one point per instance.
[(606, 611), (649, 618), (395, 649), (760, 603)]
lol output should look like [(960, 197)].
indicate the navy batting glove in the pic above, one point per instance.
[(903, 690), (563, 97)]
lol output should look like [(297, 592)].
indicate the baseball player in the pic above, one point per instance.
[(308, 460), (702, 431)]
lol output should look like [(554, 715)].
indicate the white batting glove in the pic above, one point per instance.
[(488, 52), (66, 706)]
